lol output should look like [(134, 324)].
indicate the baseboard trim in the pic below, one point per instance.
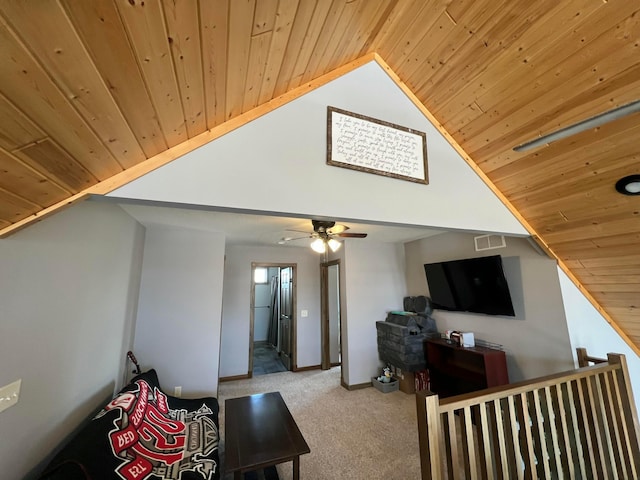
[(358, 386), (235, 377), (304, 369)]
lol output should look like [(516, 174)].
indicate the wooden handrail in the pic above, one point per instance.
[(576, 424), (584, 359)]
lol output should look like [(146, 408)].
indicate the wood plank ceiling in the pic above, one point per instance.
[(92, 91)]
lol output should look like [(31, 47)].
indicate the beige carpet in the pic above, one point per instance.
[(353, 435)]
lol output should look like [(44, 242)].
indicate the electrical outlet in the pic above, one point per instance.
[(304, 313), (177, 392), (9, 395)]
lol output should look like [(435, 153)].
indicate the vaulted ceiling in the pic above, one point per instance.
[(95, 93)]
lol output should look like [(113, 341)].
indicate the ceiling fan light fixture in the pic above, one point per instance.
[(629, 185), (318, 245), (334, 245)]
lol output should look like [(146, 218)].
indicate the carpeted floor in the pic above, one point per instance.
[(356, 435)]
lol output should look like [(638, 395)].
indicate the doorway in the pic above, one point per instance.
[(330, 315), (272, 332)]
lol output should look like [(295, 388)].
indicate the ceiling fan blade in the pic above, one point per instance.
[(351, 235), (289, 239), (337, 229)]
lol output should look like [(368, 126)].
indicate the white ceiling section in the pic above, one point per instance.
[(264, 230), (277, 163)]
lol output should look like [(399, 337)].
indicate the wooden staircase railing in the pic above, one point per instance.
[(580, 424)]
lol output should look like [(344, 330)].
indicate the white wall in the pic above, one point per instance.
[(374, 283), (68, 287), (289, 144), (333, 307), (179, 312), (536, 340), (589, 329), (234, 347)]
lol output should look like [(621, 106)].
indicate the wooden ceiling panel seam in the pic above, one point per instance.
[(214, 22), (64, 58), (258, 54), (498, 36), (622, 239), (285, 18), (264, 17), (48, 156), (531, 41), (573, 111), (360, 30), (19, 175), (413, 34), (621, 287), (314, 65), (409, 62), (467, 30), (556, 59), (568, 190), (310, 43), (149, 43), (601, 273), (483, 135), (16, 128), (301, 22), (574, 253), (352, 32), (240, 28), (56, 116), (99, 27), (394, 36), (10, 202), (183, 35), (582, 149), (377, 28)]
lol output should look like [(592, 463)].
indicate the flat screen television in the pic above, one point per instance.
[(471, 285)]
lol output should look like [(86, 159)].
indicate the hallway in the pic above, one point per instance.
[(266, 359)]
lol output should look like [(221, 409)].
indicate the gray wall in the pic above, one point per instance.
[(373, 278), (180, 306), (234, 347), (536, 340), (68, 287)]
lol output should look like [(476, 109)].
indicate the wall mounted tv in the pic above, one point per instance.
[(471, 285)]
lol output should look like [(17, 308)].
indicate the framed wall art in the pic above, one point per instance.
[(374, 146)]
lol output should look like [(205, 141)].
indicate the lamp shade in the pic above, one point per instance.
[(334, 244), (318, 245)]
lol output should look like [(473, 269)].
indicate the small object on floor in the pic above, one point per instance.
[(269, 473)]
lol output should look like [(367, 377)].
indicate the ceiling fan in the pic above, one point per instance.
[(324, 232)]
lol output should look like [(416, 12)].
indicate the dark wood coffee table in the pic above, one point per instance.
[(260, 432)]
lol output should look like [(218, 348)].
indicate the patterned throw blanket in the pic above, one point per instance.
[(144, 434)]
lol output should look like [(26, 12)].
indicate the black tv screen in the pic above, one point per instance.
[(471, 285)]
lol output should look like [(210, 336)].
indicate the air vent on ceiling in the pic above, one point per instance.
[(489, 242)]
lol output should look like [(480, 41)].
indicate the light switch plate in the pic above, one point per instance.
[(9, 395), (304, 313)]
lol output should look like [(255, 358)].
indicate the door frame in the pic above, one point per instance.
[(325, 361), (294, 319)]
